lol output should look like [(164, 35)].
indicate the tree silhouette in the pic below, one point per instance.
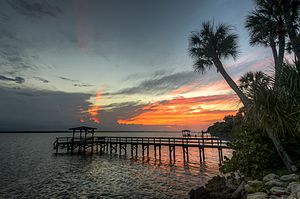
[(290, 11), (273, 107), (266, 27), (208, 46)]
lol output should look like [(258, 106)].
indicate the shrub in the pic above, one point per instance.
[(253, 155)]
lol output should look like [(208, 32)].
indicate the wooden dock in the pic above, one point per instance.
[(120, 145)]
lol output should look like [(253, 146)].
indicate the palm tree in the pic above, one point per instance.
[(290, 12), (273, 107), (250, 80), (208, 46), (266, 27), (211, 44)]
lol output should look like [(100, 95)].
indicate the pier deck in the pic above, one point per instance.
[(104, 144)]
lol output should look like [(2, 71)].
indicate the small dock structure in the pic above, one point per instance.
[(186, 133), (83, 141)]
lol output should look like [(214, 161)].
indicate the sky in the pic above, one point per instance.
[(116, 65)]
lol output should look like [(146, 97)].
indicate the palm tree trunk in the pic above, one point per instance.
[(290, 28), (280, 57), (281, 49), (274, 50), (230, 82), (281, 151)]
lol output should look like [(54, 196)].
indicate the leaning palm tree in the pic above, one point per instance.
[(266, 27), (274, 108), (208, 46)]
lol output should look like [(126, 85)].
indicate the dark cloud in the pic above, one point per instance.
[(18, 80), (3, 18), (110, 114), (67, 79), (42, 79), (26, 109), (13, 56), (75, 82), (13, 59), (34, 8), (4, 33), (161, 84), (82, 85)]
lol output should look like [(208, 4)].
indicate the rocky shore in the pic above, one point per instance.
[(233, 186)]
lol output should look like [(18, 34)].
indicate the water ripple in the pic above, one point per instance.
[(29, 169)]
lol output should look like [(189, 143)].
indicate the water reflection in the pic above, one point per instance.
[(29, 169)]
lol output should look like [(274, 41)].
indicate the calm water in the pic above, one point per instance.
[(29, 169)]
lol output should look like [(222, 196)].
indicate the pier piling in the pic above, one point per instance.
[(114, 145)]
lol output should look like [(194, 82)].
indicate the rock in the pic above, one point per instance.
[(277, 197), (249, 189), (232, 183), (270, 176), (289, 177), (214, 189), (298, 195), (238, 192), (257, 195), (279, 191), (255, 183), (292, 196), (275, 182), (294, 187)]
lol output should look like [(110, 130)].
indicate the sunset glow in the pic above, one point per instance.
[(190, 112), (93, 111)]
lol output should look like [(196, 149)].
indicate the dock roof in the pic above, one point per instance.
[(82, 128)]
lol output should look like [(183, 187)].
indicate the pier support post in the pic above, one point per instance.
[(148, 151), (172, 152), (159, 152), (220, 152), (134, 147), (185, 150)]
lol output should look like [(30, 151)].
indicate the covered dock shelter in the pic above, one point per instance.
[(83, 131)]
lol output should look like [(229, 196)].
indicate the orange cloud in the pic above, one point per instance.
[(196, 112), (93, 111)]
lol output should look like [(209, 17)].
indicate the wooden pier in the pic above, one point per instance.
[(120, 145)]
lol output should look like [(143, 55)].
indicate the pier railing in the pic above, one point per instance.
[(106, 144), (207, 142)]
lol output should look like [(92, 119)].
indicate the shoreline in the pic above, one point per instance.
[(235, 186)]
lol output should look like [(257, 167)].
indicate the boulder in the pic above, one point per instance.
[(289, 177), (249, 189), (277, 197), (297, 194), (292, 196), (279, 191), (270, 176), (294, 187), (257, 195), (275, 182), (239, 191), (255, 183)]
